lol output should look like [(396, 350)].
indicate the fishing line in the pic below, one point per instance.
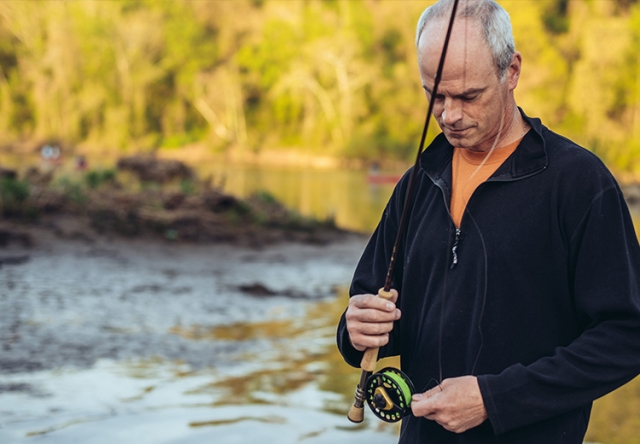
[(442, 300), (388, 392), (486, 281), (412, 181), (434, 380), (449, 237), (486, 286), (467, 212), (356, 413)]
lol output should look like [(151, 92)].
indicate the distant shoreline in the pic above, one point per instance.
[(147, 197)]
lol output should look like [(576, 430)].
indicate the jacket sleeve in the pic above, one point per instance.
[(370, 274), (604, 259)]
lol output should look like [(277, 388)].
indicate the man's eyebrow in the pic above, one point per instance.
[(468, 92)]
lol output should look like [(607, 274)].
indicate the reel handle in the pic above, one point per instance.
[(368, 362)]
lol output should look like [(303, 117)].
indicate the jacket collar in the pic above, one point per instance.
[(529, 158)]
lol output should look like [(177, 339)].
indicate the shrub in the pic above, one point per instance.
[(96, 178), (14, 193), (72, 189)]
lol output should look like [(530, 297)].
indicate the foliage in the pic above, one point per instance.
[(14, 189), (266, 197), (13, 194), (96, 178), (336, 78), (188, 187), (72, 188), (555, 17)]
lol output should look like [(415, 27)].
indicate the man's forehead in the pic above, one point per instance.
[(465, 35), (468, 54)]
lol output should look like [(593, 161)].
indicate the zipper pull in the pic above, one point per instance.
[(454, 249)]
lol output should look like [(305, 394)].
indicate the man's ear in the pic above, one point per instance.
[(513, 71)]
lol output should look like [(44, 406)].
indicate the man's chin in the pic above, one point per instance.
[(459, 140)]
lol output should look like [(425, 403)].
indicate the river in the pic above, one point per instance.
[(136, 342)]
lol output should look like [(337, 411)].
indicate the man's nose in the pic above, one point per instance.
[(452, 112)]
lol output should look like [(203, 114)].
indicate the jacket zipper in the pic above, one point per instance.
[(440, 184), (454, 249)]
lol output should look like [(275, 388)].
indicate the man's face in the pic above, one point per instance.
[(471, 100)]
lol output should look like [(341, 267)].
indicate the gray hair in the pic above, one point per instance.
[(493, 19)]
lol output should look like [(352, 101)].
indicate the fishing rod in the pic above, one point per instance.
[(388, 392)]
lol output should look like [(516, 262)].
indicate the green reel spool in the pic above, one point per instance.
[(388, 394)]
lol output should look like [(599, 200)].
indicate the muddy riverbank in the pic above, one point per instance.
[(151, 198)]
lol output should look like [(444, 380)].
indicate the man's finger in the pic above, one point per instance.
[(370, 320), (362, 342), (456, 405), (373, 316), (422, 405), (373, 328), (372, 301)]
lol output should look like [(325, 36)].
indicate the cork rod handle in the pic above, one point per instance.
[(370, 357)]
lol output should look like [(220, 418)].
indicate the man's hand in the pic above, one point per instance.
[(456, 404), (370, 319)]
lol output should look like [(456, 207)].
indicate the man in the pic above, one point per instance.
[(518, 277)]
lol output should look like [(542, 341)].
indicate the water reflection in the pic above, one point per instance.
[(297, 352), (341, 194)]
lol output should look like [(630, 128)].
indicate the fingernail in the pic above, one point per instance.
[(417, 397), (398, 314), (390, 306)]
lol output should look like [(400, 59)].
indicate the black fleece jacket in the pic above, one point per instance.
[(539, 298)]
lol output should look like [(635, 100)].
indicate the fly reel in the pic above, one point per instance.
[(388, 393)]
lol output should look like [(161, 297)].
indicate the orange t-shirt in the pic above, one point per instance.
[(469, 171)]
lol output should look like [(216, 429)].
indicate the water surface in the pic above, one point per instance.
[(162, 343), (118, 341)]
